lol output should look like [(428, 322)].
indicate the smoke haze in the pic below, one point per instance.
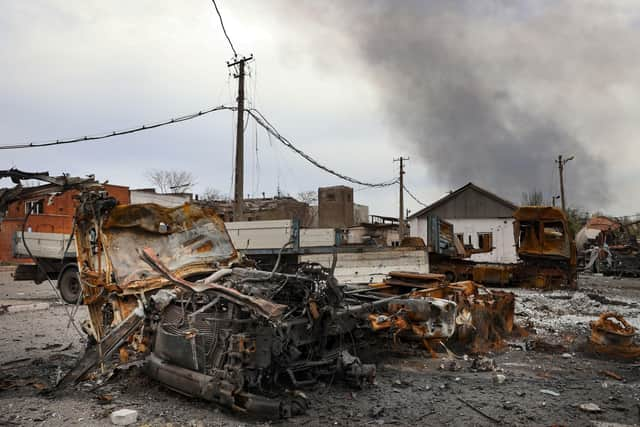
[(492, 93)]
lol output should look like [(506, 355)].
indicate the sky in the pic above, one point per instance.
[(483, 91)]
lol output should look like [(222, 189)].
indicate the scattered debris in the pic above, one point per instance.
[(50, 346), (124, 417), (449, 364), (499, 379), (589, 407), (547, 345), (613, 375), (39, 386), (20, 308), (550, 392), (376, 411), (104, 398), (483, 364), (489, 417)]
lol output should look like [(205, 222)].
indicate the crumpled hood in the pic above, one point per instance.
[(187, 239)]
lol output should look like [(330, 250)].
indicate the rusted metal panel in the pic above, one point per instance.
[(494, 274), (613, 336), (542, 231), (546, 247), (484, 319)]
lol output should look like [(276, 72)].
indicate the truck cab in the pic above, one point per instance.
[(546, 247)]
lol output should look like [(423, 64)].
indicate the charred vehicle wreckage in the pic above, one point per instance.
[(166, 287)]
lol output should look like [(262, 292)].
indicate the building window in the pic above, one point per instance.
[(331, 197), (485, 241), (36, 207)]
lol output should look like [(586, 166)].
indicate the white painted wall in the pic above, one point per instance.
[(501, 228), (368, 267)]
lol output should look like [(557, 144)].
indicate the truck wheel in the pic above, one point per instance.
[(69, 286)]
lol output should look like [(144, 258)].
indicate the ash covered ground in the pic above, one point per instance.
[(538, 380)]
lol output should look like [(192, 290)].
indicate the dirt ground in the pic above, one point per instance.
[(540, 387)]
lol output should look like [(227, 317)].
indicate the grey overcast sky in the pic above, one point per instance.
[(482, 91)]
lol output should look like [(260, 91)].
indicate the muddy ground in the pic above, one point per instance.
[(36, 347)]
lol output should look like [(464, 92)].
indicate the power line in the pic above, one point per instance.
[(413, 197), (262, 121), (224, 30), (117, 133), (257, 116)]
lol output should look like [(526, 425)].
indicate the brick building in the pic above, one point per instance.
[(47, 216)]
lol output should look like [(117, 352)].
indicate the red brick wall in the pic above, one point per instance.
[(57, 217)]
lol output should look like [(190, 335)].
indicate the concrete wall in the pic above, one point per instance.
[(501, 229), (259, 234), (367, 267), (335, 207), (360, 213)]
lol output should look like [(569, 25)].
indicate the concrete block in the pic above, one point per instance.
[(124, 417)]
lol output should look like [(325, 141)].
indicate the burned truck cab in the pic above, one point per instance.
[(546, 248)]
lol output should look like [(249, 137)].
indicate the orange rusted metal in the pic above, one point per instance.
[(612, 335), (483, 318), (546, 247)]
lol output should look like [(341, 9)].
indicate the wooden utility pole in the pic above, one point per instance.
[(238, 195), (401, 224), (561, 162)]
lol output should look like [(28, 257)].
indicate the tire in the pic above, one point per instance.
[(69, 285)]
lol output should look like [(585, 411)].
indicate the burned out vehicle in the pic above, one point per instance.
[(167, 286), (546, 248)]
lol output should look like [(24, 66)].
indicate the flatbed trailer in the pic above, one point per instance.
[(267, 243)]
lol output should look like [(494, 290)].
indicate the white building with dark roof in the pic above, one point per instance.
[(480, 219)]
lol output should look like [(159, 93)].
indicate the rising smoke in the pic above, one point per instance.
[(489, 92)]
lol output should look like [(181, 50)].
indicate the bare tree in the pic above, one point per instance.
[(533, 198), (310, 197), (170, 181), (211, 194)]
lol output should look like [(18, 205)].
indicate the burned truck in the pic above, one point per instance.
[(546, 248), (167, 287)]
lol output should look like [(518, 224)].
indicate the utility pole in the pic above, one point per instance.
[(238, 196), (561, 162), (401, 223)]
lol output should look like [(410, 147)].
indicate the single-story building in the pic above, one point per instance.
[(481, 220)]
